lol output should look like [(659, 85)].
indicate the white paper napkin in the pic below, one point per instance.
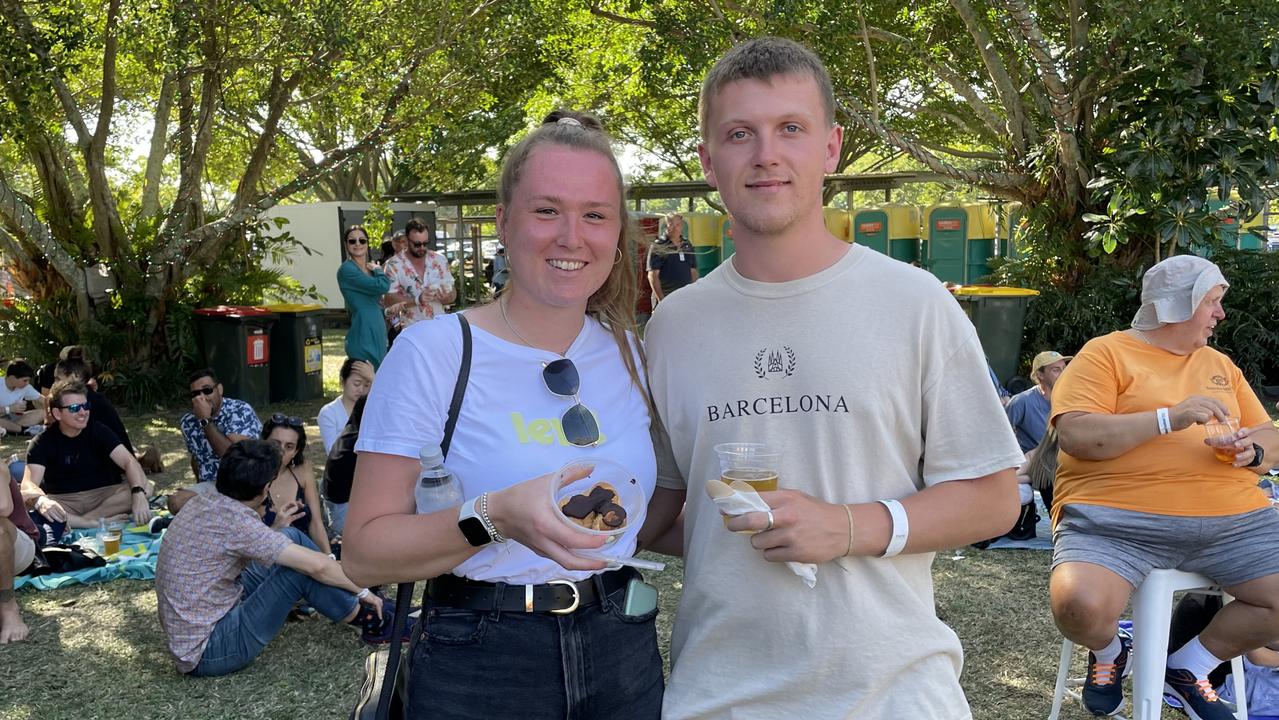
[(740, 498)]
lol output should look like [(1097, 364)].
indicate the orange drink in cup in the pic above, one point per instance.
[(1221, 437)]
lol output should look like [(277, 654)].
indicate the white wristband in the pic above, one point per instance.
[(363, 593), (901, 528), (1165, 424)]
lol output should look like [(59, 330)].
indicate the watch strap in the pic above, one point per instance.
[(1258, 456), (137, 490)]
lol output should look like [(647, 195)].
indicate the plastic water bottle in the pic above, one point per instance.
[(437, 487)]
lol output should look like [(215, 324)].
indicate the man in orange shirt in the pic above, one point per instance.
[(1138, 488)]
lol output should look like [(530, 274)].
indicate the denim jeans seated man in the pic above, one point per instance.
[(226, 582)]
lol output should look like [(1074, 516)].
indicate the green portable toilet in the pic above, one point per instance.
[(981, 241), (1253, 234), (726, 246), (947, 235), (704, 233), (870, 228), (1228, 230)]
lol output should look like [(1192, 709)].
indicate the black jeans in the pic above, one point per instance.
[(480, 664)]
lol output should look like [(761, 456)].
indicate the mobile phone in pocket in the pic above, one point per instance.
[(641, 598)]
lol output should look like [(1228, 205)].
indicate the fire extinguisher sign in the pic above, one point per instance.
[(258, 350)]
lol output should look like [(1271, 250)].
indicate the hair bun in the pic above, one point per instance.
[(572, 117)]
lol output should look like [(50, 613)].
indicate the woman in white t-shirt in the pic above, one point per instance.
[(515, 623), (356, 377)]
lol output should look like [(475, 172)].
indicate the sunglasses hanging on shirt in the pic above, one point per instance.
[(579, 424)]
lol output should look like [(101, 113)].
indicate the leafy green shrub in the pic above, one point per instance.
[(1108, 296)]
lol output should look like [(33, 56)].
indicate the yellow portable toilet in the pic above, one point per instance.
[(838, 222), (980, 244), (705, 231)]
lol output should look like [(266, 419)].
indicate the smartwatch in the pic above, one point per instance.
[(203, 422), (471, 525), (1258, 455)]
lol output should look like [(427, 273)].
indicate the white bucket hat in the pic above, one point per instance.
[(1173, 289)]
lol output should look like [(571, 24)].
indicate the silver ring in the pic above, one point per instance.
[(770, 520)]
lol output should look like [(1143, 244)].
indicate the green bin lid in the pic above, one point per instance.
[(992, 291), (294, 307)]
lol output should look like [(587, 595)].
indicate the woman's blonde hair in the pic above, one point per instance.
[(613, 304)]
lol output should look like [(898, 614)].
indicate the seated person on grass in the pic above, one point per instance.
[(74, 468), (293, 498), (46, 374), (104, 413), (209, 429), (21, 406), (225, 582), (17, 550)]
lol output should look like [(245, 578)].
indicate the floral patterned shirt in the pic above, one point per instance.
[(236, 417), (405, 280)]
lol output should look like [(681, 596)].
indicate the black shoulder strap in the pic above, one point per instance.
[(404, 592), (459, 390)]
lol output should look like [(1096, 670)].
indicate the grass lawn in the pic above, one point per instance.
[(96, 651)]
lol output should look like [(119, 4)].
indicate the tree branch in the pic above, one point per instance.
[(870, 62), (597, 11), (159, 142), (1007, 184), (995, 126), (19, 220), (1023, 133)]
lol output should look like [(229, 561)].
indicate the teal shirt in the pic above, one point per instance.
[(366, 340)]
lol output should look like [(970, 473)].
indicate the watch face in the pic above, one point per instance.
[(474, 532)]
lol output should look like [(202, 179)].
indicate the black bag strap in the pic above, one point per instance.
[(404, 592)]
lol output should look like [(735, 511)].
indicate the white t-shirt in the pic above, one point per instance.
[(12, 397), (873, 384), (508, 428), (332, 419)]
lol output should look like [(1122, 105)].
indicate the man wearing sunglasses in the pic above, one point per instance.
[(214, 423), (74, 468), (421, 284)]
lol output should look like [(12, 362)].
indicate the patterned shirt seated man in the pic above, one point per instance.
[(214, 423)]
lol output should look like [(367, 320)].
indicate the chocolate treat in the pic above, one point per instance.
[(614, 514), (579, 506), (596, 510)]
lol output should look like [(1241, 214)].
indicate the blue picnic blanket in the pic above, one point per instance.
[(136, 560)]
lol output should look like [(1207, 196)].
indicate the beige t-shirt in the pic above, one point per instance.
[(872, 382)]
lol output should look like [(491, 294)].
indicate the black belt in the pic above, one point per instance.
[(560, 597)]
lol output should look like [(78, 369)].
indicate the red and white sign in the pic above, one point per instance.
[(258, 349)]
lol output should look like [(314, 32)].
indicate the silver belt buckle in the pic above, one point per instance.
[(577, 596)]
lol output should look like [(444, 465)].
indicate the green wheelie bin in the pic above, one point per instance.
[(235, 341), (297, 370), (999, 314)]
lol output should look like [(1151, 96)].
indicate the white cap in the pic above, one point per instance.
[(1172, 290)]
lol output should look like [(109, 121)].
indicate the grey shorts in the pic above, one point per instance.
[(1228, 549)]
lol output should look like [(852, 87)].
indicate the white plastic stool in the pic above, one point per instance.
[(1151, 615)]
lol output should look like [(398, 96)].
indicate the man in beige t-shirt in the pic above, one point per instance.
[(865, 373)]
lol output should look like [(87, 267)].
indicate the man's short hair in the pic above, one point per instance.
[(19, 369), (72, 369), (763, 59), (247, 468), (66, 387), (416, 224), (201, 374)]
